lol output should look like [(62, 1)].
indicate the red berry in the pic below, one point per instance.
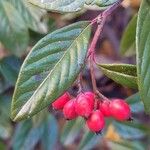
[(96, 121), (91, 97), (61, 101), (69, 110), (104, 108), (84, 105), (120, 110)]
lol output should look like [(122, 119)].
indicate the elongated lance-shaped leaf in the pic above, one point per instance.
[(143, 53), (127, 46), (123, 74), (71, 130), (89, 140), (50, 69)]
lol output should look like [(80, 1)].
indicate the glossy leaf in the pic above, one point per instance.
[(71, 130), (13, 31), (50, 69), (143, 53), (127, 46), (124, 74), (31, 15)]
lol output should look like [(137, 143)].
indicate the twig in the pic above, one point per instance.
[(100, 19)]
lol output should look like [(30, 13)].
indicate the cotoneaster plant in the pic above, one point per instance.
[(56, 62)]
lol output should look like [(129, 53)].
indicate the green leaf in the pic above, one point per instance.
[(30, 14), (56, 5), (125, 145), (2, 146), (135, 102), (50, 134), (69, 6), (50, 69), (26, 136), (101, 3), (128, 130), (143, 53), (123, 74), (71, 131), (9, 67), (13, 31), (89, 140), (5, 124), (127, 46)]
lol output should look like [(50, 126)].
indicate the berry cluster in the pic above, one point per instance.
[(93, 111)]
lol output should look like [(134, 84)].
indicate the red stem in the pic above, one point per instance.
[(100, 19)]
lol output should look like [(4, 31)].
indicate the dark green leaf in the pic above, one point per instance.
[(124, 74), (13, 31), (143, 53), (9, 67), (50, 69), (71, 130), (50, 134), (5, 124), (127, 46)]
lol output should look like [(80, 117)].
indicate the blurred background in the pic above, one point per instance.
[(49, 130)]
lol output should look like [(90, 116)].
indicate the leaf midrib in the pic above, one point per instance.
[(51, 70)]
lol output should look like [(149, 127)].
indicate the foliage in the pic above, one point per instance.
[(54, 64)]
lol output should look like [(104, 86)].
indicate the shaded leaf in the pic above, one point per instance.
[(124, 74), (50, 134), (14, 33), (128, 131), (136, 104), (143, 53), (71, 130), (31, 15), (127, 46), (126, 145), (89, 140), (50, 69), (9, 67), (5, 124)]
